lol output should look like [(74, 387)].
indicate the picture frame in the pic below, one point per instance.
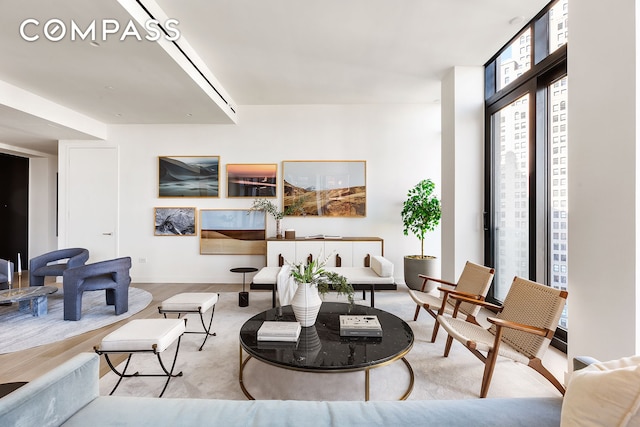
[(175, 221), (233, 232), (252, 180), (335, 188), (188, 176)]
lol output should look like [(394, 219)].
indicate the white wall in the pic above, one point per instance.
[(42, 205), (603, 180), (400, 143)]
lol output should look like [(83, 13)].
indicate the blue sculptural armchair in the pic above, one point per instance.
[(3, 273), (42, 266), (112, 276)]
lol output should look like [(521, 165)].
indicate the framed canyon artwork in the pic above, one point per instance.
[(326, 188)]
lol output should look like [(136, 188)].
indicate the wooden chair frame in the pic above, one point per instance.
[(491, 357), (444, 296)]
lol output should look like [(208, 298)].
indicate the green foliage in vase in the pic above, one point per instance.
[(269, 207), (324, 280)]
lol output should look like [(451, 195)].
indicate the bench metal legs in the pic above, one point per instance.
[(207, 329), (167, 372)]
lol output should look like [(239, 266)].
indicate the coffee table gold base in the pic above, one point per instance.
[(243, 362)]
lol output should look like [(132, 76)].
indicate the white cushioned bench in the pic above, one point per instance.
[(143, 335), (192, 302), (378, 275)]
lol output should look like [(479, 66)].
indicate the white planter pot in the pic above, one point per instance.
[(413, 267), (306, 304)]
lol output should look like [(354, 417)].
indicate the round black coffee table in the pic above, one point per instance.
[(339, 354)]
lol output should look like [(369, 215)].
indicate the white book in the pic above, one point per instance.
[(323, 236), (361, 325), (279, 331), (360, 322), (280, 339)]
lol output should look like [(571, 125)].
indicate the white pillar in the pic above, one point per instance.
[(603, 179), (462, 169)]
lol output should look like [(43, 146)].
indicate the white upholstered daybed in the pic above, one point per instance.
[(379, 275)]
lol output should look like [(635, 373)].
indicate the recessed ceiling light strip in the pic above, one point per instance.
[(185, 55)]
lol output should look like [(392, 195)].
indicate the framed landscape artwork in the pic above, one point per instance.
[(175, 221), (187, 176), (326, 188), (232, 232), (252, 180)]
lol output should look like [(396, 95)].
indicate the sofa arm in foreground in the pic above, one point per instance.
[(69, 395), (54, 397), (149, 411)]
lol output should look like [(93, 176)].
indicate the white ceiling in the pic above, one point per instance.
[(256, 52)]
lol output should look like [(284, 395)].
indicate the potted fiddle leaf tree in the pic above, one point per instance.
[(421, 213)]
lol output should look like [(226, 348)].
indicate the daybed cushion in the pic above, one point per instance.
[(361, 275), (606, 393), (266, 276)]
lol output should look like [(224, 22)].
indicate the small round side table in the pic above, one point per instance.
[(243, 297)]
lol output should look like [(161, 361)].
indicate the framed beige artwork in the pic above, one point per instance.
[(232, 232)]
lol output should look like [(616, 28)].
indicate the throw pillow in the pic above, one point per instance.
[(603, 394), (382, 266)]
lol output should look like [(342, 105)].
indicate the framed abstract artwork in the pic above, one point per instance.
[(232, 232), (326, 188), (252, 180), (175, 221), (188, 176)]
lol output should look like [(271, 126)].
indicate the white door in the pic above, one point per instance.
[(92, 195)]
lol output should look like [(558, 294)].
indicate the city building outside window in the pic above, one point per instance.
[(526, 157)]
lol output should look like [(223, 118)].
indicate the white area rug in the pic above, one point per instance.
[(213, 372), (21, 330)]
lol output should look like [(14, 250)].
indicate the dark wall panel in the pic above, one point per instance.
[(14, 208)]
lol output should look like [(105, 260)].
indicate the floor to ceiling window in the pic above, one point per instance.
[(526, 157), (511, 177)]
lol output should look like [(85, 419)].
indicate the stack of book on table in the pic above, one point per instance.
[(279, 331), (360, 326)]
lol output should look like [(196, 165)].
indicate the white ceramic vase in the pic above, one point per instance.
[(306, 304)]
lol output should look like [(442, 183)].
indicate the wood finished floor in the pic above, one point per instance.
[(31, 363)]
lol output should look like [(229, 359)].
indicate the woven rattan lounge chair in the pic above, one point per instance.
[(474, 283), (521, 331)]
